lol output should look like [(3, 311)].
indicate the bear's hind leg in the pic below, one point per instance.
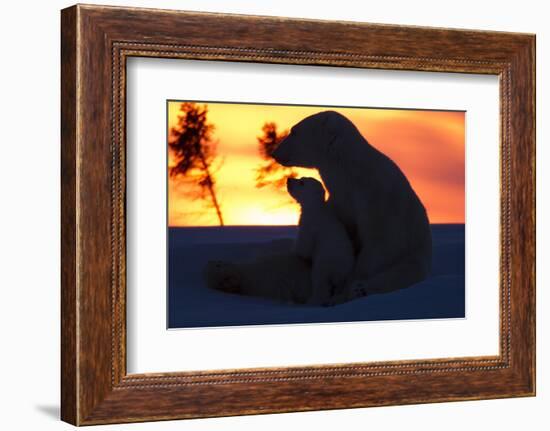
[(283, 277), (397, 277), (224, 276)]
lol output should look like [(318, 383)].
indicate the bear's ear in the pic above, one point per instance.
[(333, 149), (331, 121), (332, 124)]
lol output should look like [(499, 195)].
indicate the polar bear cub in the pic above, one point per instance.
[(322, 239)]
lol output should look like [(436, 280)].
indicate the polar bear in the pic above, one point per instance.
[(372, 198), (322, 239)]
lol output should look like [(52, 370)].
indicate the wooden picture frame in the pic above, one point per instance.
[(95, 43)]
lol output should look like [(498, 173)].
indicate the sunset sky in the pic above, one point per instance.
[(428, 146)]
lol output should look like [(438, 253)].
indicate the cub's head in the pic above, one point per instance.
[(312, 140), (306, 190)]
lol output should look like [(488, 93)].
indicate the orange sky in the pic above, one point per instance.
[(427, 145)]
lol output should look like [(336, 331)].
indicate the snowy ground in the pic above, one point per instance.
[(192, 304)]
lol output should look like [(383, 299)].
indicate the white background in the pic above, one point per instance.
[(29, 227), (151, 348)]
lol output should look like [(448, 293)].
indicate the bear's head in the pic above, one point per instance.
[(307, 191), (312, 140)]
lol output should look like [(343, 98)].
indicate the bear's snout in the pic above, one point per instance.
[(290, 183), (280, 154)]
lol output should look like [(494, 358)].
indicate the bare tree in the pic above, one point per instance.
[(194, 151), (271, 173)]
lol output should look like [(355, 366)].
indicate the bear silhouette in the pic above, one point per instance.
[(322, 239), (368, 193)]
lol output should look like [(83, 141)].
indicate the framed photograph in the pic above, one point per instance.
[(235, 212), (280, 215)]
